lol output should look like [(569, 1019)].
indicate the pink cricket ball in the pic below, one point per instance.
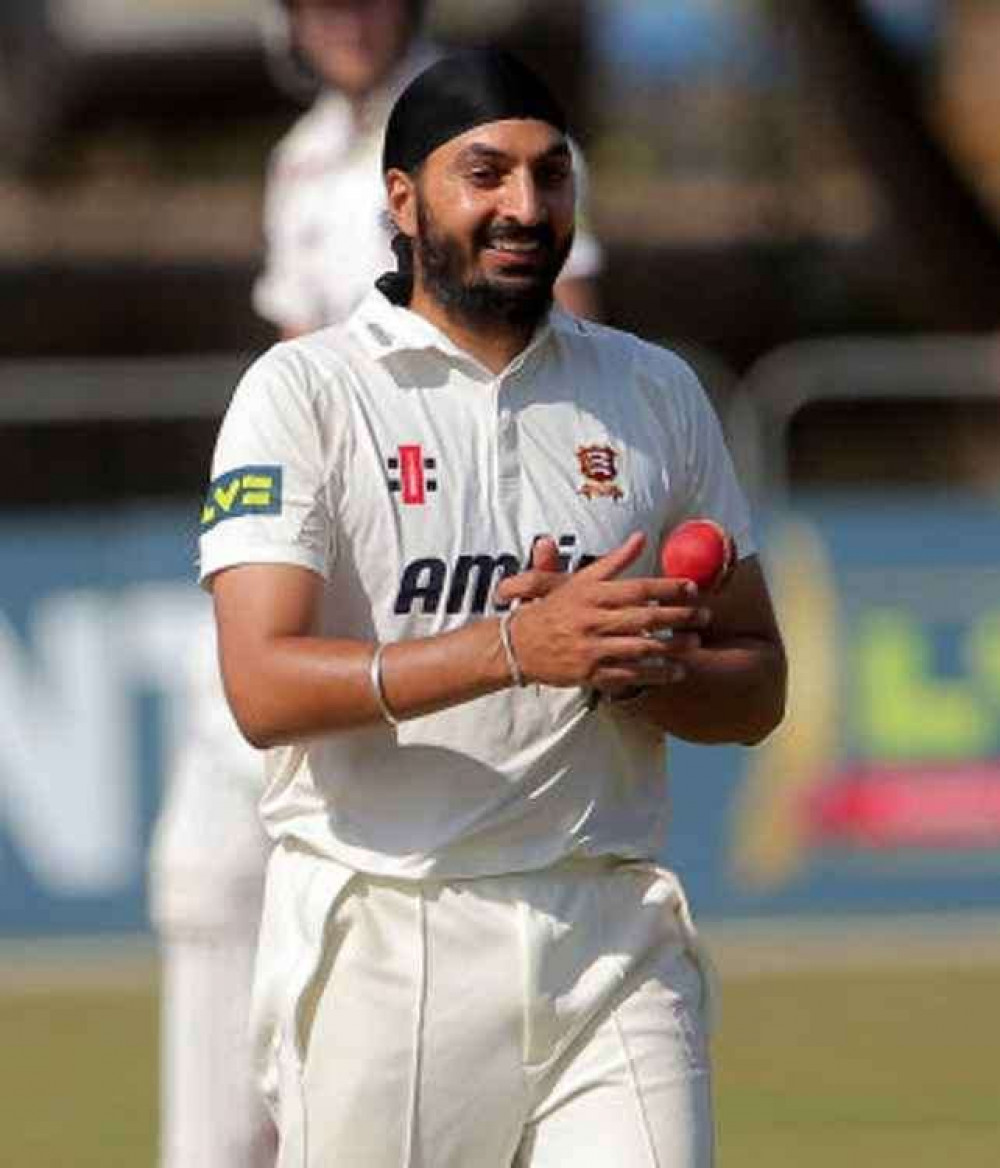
[(699, 550)]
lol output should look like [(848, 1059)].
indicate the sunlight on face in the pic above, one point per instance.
[(495, 219)]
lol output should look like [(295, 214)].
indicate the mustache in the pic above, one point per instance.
[(541, 234)]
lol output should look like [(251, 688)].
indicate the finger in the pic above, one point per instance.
[(628, 652), (615, 562), (649, 620), (545, 554), (615, 676), (662, 671), (611, 680), (679, 644), (528, 586), (643, 590)]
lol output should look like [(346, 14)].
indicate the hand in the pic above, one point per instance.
[(593, 629)]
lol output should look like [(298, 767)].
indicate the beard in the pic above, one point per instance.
[(478, 300)]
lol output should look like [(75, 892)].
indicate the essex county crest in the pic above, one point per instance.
[(599, 467)]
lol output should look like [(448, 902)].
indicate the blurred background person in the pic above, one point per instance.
[(326, 243), (206, 870)]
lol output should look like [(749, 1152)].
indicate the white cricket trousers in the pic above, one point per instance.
[(206, 885), (548, 1020)]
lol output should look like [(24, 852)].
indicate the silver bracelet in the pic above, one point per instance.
[(375, 674), (513, 665)]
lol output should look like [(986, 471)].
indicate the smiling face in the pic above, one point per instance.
[(491, 214), (352, 44)]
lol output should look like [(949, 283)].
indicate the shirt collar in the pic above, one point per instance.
[(386, 329)]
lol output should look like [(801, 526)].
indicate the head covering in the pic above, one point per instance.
[(458, 93)]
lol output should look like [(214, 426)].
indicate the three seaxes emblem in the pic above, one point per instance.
[(599, 466)]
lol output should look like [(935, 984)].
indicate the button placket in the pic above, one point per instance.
[(508, 459)]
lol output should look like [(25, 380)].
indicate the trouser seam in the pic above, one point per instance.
[(636, 1090), (419, 1011)]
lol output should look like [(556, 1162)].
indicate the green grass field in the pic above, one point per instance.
[(871, 1070), (814, 1070)]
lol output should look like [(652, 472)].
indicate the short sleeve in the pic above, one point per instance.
[(713, 490), (269, 496)]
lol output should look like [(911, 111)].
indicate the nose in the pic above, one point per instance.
[(522, 200)]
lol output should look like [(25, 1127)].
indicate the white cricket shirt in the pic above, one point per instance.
[(411, 478), (326, 239)]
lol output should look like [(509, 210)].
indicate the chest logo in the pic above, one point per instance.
[(412, 475), (599, 467)]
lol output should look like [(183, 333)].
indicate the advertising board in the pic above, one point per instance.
[(880, 794), (95, 611)]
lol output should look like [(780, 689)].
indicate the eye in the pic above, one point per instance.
[(484, 176), (553, 174)]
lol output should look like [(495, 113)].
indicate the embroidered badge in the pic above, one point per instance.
[(248, 490), (599, 466), (411, 475)]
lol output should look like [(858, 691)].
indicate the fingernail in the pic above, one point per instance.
[(677, 672), (690, 589)]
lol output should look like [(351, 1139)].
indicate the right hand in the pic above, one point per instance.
[(591, 628)]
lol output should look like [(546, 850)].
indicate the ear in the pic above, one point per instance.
[(401, 193)]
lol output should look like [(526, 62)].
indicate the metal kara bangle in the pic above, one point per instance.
[(513, 665), (375, 674)]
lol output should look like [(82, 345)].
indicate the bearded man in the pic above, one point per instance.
[(431, 542)]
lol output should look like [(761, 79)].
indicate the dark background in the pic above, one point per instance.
[(845, 162)]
